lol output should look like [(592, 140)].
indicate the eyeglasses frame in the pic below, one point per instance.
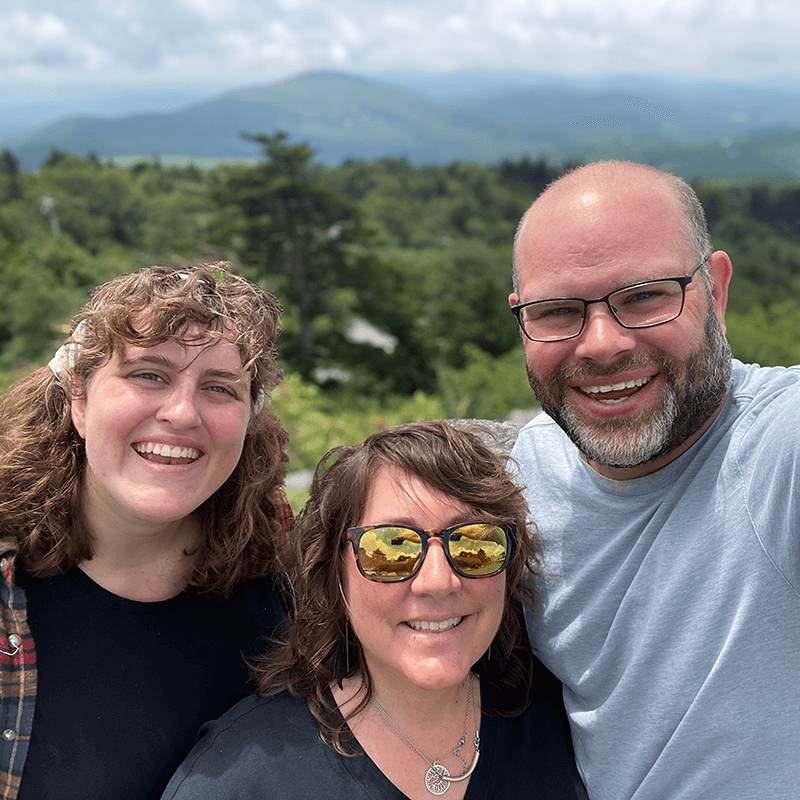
[(354, 537), (683, 281)]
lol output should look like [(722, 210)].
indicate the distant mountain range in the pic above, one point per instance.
[(701, 130)]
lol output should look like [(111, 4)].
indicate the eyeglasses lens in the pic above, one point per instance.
[(635, 307), (649, 304), (553, 319), (478, 549), (389, 553), (393, 552)]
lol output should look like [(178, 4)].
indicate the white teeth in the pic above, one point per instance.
[(424, 625), (158, 449), (615, 387)]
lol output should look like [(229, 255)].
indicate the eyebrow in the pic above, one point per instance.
[(161, 360), (165, 362), (408, 522)]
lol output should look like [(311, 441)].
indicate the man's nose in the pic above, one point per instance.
[(603, 339)]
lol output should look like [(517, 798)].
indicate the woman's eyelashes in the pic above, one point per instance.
[(233, 390), (148, 376), (222, 389)]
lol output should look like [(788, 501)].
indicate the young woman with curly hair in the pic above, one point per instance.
[(141, 504)]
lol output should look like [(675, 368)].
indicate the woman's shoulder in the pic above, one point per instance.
[(266, 716), (244, 752)]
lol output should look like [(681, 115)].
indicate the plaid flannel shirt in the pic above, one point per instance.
[(17, 675)]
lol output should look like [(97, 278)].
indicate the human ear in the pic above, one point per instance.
[(720, 269), (78, 409)]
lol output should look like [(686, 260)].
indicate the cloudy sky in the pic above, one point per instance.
[(243, 42)]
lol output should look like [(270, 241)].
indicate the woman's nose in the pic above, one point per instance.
[(435, 577), (180, 406)]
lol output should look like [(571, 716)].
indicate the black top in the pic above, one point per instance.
[(124, 685), (271, 749)]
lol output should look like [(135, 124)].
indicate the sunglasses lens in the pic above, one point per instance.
[(389, 553), (479, 549)]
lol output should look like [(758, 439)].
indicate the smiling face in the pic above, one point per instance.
[(631, 400), (430, 630), (164, 429)]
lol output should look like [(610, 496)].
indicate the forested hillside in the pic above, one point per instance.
[(420, 254)]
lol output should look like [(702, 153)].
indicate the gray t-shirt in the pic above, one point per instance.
[(672, 615)]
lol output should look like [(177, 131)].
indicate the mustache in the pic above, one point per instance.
[(626, 362)]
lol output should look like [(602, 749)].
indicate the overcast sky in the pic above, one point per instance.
[(245, 42)]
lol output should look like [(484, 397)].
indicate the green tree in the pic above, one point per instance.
[(41, 280), (94, 204), (766, 335), (10, 188), (302, 239)]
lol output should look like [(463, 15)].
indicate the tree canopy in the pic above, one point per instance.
[(393, 278)]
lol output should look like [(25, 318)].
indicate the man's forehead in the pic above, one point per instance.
[(598, 245), (596, 217), (603, 191)]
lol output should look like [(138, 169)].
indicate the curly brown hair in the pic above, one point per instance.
[(42, 457), (317, 648)]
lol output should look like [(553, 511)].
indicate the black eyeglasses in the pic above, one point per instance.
[(392, 553), (642, 305)]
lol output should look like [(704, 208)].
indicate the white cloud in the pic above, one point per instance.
[(118, 9), (34, 43), (244, 41), (212, 10)]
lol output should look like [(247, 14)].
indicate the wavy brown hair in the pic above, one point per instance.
[(42, 457), (319, 646)]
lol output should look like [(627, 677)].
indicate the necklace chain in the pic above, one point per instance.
[(438, 778)]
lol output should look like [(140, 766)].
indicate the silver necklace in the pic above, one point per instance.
[(438, 778)]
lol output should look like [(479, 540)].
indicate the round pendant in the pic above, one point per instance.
[(435, 779)]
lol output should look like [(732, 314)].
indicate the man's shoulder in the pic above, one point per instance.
[(752, 379), (541, 432), (764, 395)]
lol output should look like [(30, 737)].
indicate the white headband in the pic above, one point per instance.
[(66, 357)]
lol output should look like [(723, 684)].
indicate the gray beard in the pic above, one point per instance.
[(695, 388)]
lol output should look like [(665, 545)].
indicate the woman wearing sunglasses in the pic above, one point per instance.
[(405, 671)]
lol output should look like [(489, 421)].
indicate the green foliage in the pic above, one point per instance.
[(467, 301), (426, 206), (766, 335), (301, 239), (486, 387), (423, 254), (317, 421), (766, 266), (40, 280), (94, 205), (77, 224), (10, 183)]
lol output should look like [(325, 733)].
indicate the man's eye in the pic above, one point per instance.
[(555, 312), (644, 296), (148, 376)]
